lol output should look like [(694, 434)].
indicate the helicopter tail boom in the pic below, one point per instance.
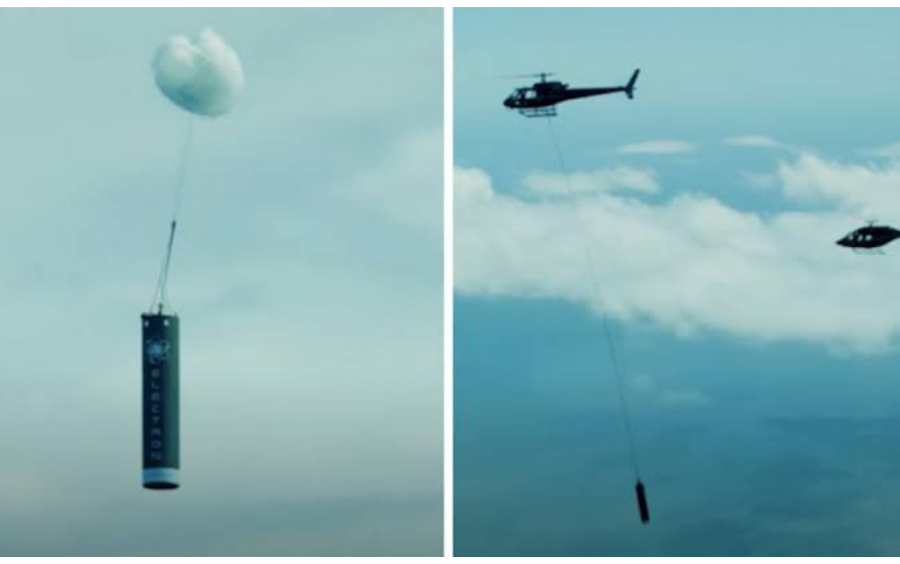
[(629, 88)]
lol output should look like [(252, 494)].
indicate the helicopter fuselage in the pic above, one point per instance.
[(538, 97), (869, 237)]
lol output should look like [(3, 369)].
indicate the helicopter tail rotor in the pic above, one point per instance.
[(629, 88)]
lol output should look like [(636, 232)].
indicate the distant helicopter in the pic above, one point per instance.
[(869, 237), (540, 99)]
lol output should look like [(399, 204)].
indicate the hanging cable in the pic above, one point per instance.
[(160, 299), (617, 371), (640, 490)]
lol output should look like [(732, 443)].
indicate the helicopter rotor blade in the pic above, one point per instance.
[(528, 75)]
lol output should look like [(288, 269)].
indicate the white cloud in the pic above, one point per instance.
[(688, 264), (869, 191), (759, 180), (760, 141), (472, 185), (890, 151), (661, 147), (591, 182)]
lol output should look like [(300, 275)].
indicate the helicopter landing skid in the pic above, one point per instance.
[(869, 251), (548, 111)]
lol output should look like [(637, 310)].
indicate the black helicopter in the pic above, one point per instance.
[(869, 237), (540, 99)]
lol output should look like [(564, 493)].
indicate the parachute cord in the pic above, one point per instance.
[(611, 346), (182, 170), (160, 295)]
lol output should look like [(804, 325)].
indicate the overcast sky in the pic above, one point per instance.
[(307, 276), (761, 358)]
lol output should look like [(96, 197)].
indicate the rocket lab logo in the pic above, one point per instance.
[(157, 351)]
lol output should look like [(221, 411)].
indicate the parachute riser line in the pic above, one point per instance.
[(164, 297), (160, 299)]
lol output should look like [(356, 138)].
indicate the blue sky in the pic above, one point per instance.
[(307, 276), (761, 358)]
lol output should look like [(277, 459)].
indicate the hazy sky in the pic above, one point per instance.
[(307, 276), (762, 359)]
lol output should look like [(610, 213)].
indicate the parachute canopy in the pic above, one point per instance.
[(202, 75)]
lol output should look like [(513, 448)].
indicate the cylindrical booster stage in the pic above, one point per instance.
[(642, 502), (160, 346)]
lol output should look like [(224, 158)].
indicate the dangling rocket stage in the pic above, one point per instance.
[(160, 399)]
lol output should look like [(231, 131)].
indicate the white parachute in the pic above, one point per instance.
[(202, 75)]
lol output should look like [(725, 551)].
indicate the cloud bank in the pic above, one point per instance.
[(889, 151), (692, 263), (870, 190)]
